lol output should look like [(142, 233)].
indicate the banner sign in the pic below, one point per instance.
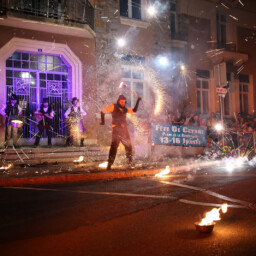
[(178, 135)]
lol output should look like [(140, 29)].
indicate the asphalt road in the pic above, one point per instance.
[(139, 216)]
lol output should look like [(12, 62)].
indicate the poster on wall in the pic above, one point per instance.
[(178, 135)]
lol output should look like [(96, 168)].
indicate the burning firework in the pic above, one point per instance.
[(206, 225), (123, 85), (79, 160), (5, 167), (164, 172), (103, 165)]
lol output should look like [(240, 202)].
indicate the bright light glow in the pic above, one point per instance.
[(230, 166), (120, 42), (6, 167), (240, 161), (163, 61), (182, 68), (224, 208), (233, 163), (213, 215), (218, 127), (79, 160), (164, 172), (121, 84), (210, 217), (241, 2), (103, 165), (151, 10), (25, 74)]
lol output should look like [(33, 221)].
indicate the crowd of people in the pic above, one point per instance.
[(236, 131), (12, 112)]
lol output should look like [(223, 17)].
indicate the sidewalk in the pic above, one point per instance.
[(25, 174)]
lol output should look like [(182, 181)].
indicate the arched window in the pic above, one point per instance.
[(34, 76)]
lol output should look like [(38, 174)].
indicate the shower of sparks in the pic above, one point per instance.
[(79, 160), (6, 167), (233, 17), (164, 172), (224, 6), (241, 2), (151, 11), (103, 165)]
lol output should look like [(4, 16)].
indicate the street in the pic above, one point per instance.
[(136, 216)]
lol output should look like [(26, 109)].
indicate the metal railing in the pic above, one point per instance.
[(63, 11)]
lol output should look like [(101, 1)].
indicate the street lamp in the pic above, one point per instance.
[(182, 68), (163, 61), (121, 42), (151, 10), (218, 127)]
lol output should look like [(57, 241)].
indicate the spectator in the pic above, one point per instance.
[(171, 118), (178, 119)]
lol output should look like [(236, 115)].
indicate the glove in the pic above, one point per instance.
[(136, 105), (102, 118)]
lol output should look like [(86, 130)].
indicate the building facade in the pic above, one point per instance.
[(47, 51), (175, 58)]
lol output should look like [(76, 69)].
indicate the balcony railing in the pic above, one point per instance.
[(63, 12), (231, 47)]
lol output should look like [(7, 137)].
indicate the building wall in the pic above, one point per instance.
[(202, 36), (246, 42), (83, 48)]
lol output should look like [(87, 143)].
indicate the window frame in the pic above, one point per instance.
[(219, 27), (130, 12), (201, 90), (242, 94), (132, 81)]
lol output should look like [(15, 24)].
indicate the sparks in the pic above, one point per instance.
[(120, 42), (79, 160), (218, 127), (121, 84), (103, 165), (241, 2), (233, 17), (6, 167), (224, 6), (164, 172), (151, 10), (213, 215)]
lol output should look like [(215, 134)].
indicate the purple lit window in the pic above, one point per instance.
[(34, 76)]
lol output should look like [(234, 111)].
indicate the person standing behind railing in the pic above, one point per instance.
[(11, 112)]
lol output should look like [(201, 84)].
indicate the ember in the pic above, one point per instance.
[(5, 167), (79, 160), (103, 165), (164, 172), (207, 224)]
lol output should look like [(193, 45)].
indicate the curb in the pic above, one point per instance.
[(76, 177)]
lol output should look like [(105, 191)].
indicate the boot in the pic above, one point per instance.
[(109, 167)]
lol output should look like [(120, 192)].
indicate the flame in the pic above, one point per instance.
[(213, 215), (79, 160), (6, 167), (164, 172), (224, 208), (103, 165), (121, 84)]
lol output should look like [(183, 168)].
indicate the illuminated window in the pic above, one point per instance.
[(33, 77), (133, 76)]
